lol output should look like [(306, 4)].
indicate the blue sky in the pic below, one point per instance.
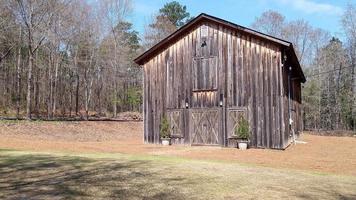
[(323, 14)]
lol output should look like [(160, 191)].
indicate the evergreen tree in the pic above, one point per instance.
[(172, 16)]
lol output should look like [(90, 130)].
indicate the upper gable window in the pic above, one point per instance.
[(204, 31), (206, 44)]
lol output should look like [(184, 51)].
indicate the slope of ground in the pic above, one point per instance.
[(322, 154)]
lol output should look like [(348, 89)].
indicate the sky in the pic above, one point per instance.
[(323, 14)]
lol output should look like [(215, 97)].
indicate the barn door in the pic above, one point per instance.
[(234, 116), (232, 122), (176, 122), (205, 126)]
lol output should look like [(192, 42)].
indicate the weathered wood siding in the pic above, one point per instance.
[(211, 62)]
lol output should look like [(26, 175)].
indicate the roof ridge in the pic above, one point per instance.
[(202, 16)]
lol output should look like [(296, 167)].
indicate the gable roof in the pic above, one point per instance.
[(288, 46)]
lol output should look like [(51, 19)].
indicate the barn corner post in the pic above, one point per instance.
[(223, 110), (144, 106), (290, 120), (280, 99)]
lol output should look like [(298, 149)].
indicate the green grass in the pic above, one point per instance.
[(32, 175)]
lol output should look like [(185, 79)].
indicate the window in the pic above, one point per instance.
[(206, 42), (205, 74)]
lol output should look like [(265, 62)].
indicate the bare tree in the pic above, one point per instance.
[(113, 13), (327, 95), (299, 32), (7, 31), (270, 22), (18, 75), (160, 28), (36, 15), (75, 55)]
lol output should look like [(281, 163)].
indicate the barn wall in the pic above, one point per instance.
[(296, 105), (246, 70)]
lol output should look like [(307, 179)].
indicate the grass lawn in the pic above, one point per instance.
[(33, 175)]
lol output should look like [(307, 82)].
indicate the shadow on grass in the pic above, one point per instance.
[(332, 195), (45, 176), (314, 190), (52, 177)]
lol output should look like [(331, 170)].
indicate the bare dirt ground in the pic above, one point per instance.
[(325, 154)]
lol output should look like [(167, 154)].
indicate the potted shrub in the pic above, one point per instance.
[(242, 132), (164, 131)]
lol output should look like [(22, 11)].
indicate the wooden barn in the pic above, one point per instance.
[(208, 73)]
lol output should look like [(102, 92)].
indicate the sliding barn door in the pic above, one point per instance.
[(205, 126)]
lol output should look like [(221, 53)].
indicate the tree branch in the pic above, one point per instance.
[(6, 54), (38, 45)]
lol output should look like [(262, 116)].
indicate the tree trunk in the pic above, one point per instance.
[(99, 90), (56, 64), (353, 89), (115, 100), (70, 97), (18, 84), (77, 96), (337, 102), (115, 76), (36, 91), (49, 104), (88, 89), (29, 84), (77, 84)]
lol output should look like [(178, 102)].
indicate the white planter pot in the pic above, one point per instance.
[(166, 141), (243, 145)]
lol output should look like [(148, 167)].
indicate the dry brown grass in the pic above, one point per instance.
[(31, 175), (336, 155)]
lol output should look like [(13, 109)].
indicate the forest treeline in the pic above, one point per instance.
[(68, 58), (63, 58), (328, 62)]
